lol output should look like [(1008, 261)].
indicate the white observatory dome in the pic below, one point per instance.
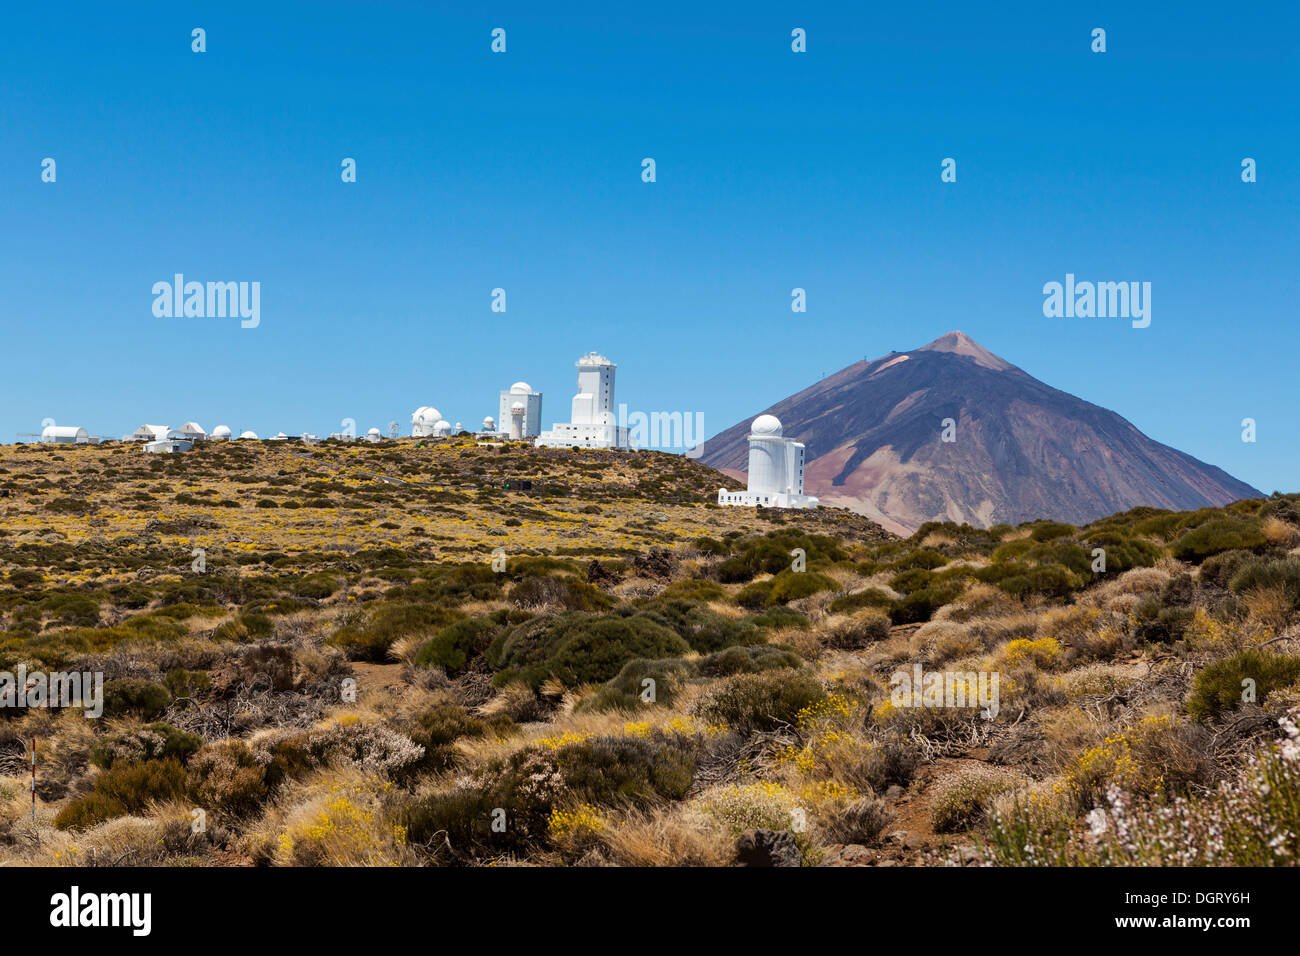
[(425, 415), (517, 407), (374, 433), (221, 432), (250, 436), (766, 425), (521, 388), (489, 424)]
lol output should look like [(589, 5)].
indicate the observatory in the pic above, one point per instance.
[(521, 411), (775, 470), (192, 431), (593, 423), (374, 435), (221, 433), (168, 446), (424, 420), (64, 435), (248, 436), (150, 433)]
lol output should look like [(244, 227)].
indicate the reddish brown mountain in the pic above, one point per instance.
[(1022, 450)]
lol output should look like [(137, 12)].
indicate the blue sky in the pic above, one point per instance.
[(523, 171)]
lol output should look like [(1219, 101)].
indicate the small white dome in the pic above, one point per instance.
[(374, 431), (221, 431), (517, 407), (251, 436), (521, 388), (768, 425), (489, 423)]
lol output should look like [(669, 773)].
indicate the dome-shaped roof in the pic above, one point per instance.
[(442, 422), (425, 415), (488, 422), (252, 436), (373, 431), (768, 425), (517, 407), (521, 388), (221, 431)]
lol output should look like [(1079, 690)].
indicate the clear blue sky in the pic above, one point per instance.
[(523, 171)]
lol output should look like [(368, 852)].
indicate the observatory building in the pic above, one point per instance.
[(150, 433), (424, 420), (775, 470), (593, 421), (221, 433), (521, 411), (64, 435)]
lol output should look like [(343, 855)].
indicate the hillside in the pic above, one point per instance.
[(641, 678), (1022, 450)]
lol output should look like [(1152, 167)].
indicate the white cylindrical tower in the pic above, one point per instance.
[(767, 465)]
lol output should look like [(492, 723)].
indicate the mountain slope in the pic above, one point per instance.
[(1022, 449)]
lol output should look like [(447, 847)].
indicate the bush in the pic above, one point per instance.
[(153, 742), (437, 729), (568, 593), (871, 597), (227, 778), (624, 691), (748, 660), (703, 628), (626, 770), (1217, 535), (577, 649), (455, 646), (126, 788), (1259, 575), (762, 701), (1219, 686), (961, 799), (133, 695)]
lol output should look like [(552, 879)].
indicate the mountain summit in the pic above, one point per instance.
[(1019, 449)]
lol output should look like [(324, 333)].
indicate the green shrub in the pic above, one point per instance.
[(748, 660), (624, 691), (579, 649), (1220, 685), (439, 727), (1217, 535), (871, 597), (126, 788), (1283, 574), (152, 742), (703, 628), (456, 645), (133, 695), (791, 586), (762, 701)]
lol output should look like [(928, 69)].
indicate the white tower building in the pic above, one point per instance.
[(776, 466), (520, 413), (594, 423)]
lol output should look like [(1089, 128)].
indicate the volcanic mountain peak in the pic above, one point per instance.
[(1017, 449), (962, 344)]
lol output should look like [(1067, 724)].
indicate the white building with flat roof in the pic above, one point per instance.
[(593, 422), (520, 411), (776, 466)]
